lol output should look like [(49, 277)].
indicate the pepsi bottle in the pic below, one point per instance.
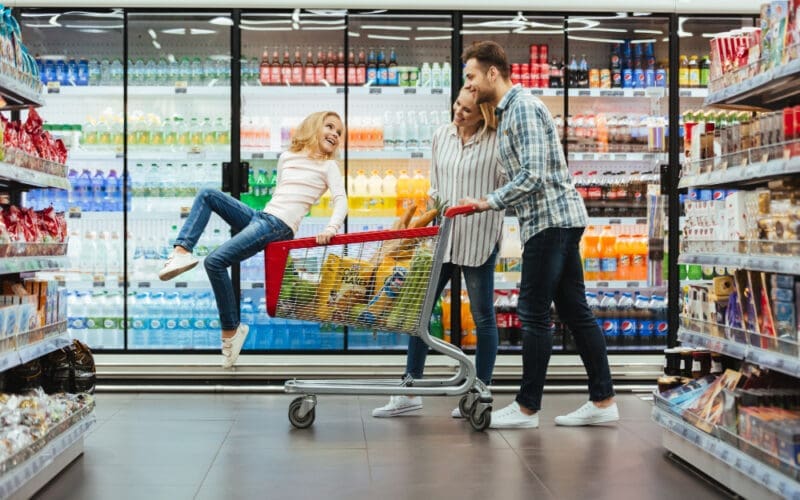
[(627, 321)]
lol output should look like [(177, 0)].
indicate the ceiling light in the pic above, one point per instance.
[(434, 28), (353, 34), (329, 12), (94, 26), (523, 31), (385, 27), (198, 31), (607, 30), (296, 16), (295, 26), (268, 21), (485, 32), (421, 38), (152, 34), (387, 37), (93, 30), (589, 39), (39, 25), (174, 31), (649, 32), (171, 58), (266, 28), (641, 14), (221, 21), (681, 33), (319, 21), (323, 28), (649, 40), (156, 45), (54, 20)]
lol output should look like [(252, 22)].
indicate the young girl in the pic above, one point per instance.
[(305, 173)]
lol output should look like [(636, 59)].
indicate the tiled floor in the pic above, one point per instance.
[(178, 446)]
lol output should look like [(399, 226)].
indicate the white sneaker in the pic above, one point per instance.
[(511, 417), (177, 263), (233, 346), (398, 405), (456, 413), (589, 414)]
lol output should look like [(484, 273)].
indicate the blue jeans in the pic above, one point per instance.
[(552, 272), (253, 231), (480, 287)]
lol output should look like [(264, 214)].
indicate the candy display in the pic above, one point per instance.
[(28, 145), (26, 232)]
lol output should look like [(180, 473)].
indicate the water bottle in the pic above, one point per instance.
[(658, 305), (184, 332), (76, 320), (199, 322), (627, 320), (644, 323), (98, 195), (162, 72), (425, 76), (185, 70), (436, 76), (72, 195), (172, 307), (138, 311), (94, 72), (173, 72), (152, 257), (197, 72), (88, 259), (608, 308), (213, 330), (412, 131), (425, 130), (83, 187), (262, 326), (446, 74), (110, 193), (92, 307), (61, 200), (115, 72), (247, 316), (156, 320), (128, 192), (113, 322)]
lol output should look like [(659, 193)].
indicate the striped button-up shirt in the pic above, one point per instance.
[(467, 171), (540, 190)]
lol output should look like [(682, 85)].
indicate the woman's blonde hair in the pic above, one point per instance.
[(306, 137), (489, 116)]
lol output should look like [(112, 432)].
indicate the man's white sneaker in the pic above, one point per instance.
[(233, 346), (511, 417), (456, 413), (398, 405), (589, 414), (177, 263)]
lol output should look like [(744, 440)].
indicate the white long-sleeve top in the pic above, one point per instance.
[(468, 171), (301, 182)]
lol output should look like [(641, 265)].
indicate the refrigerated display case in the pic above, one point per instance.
[(391, 75)]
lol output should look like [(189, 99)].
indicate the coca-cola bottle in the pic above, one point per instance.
[(515, 330), (501, 306), (351, 68)]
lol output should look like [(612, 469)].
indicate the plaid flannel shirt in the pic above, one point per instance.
[(540, 189)]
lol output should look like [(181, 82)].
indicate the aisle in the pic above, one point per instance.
[(166, 446)]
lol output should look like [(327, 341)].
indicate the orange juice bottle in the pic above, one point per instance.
[(639, 257), (419, 191), (446, 316), (591, 254), (389, 191), (608, 254), (468, 337), (624, 261), (403, 192)]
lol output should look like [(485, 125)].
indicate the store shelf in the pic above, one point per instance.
[(29, 177), (29, 476), (742, 174), (17, 95), (751, 475), (772, 89), (377, 154), (693, 93), (605, 221), (648, 93), (653, 157), (590, 285), (777, 361), (56, 337), (756, 262), (10, 265), (136, 153)]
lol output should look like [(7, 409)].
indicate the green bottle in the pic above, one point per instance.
[(436, 326)]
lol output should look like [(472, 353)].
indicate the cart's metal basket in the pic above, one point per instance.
[(374, 280)]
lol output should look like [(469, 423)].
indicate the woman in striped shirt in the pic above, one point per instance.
[(465, 163)]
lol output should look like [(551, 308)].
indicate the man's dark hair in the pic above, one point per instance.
[(488, 53)]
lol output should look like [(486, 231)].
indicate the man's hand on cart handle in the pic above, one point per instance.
[(479, 205), (325, 236)]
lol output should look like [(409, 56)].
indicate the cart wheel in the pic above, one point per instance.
[(481, 421), (464, 407), (294, 415)]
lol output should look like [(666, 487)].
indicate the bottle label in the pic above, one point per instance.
[(696, 366), (137, 324), (330, 74), (608, 264), (591, 264), (340, 72), (638, 260), (171, 324), (309, 76), (297, 75), (109, 324), (319, 74)]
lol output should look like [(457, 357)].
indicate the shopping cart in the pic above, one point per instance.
[(374, 281)]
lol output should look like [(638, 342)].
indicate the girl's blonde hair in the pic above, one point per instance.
[(307, 134)]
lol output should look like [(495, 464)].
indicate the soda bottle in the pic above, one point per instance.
[(361, 68), (375, 194), (403, 192), (393, 77), (286, 68), (694, 72), (308, 71), (358, 194), (275, 69), (608, 310), (608, 254), (389, 193), (372, 68), (515, 325), (683, 71), (591, 254), (639, 257), (627, 320), (658, 305), (297, 68), (419, 191), (583, 73), (572, 73), (624, 262), (319, 67), (436, 328), (383, 69), (330, 67), (351, 68), (502, 316), (340, 71), (705, 69), (644, 323)]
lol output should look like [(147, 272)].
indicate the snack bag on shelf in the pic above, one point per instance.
[(707, 409)]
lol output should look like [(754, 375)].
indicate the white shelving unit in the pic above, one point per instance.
[(739, 471), (64, 442)]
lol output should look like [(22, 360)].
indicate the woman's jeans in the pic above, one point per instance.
[(253, 230), (480, 287), (552, 272)]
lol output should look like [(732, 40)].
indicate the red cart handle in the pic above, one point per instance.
[(459, 210)]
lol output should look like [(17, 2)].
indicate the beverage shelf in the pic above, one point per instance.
[(17, 95), (55, 338), (757, 262), (690, 333), (247, 91), (24, 479), (742, 174), (615, 93), (376, 154), (727, 464), (149, 154), (590, 285), (772, 89), (29, 177), (618, 157), (10, 265)]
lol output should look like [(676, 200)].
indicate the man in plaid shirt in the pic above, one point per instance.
[(552, 218)]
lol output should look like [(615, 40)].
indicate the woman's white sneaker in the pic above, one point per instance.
[(177, 263), (398, 405), (589, 414), (233, 346), (511, 417)]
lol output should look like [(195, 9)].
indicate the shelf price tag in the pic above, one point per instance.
[(144, 284), (584, 93), (437, 91), (417, 154), (53, 87), (257, 156), (340, 90), (375, 90), (537, 92), (410, 91), (181, 284), (181, 87), (257, 284), (639, 93)]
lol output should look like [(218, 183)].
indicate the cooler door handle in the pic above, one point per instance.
[(226, 177), (244, 177)]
